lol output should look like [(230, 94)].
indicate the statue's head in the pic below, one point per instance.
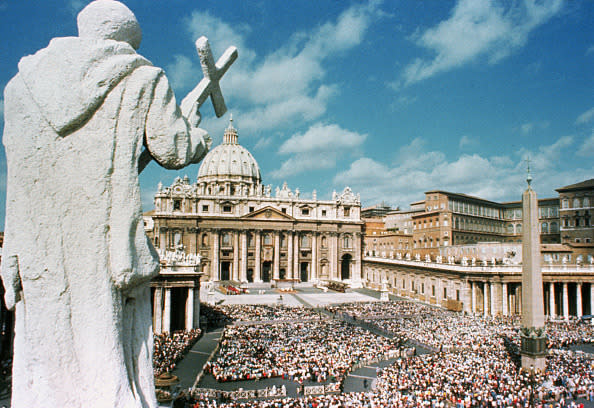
[(109, 20)]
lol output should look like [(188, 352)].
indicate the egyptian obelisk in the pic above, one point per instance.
[(534, 340)]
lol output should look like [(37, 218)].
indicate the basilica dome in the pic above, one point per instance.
[(229, 162)]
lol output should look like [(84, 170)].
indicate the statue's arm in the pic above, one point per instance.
[(171, 140)]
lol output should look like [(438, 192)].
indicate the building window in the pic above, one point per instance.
[(305, 211), (304, 241), (204, 240), (445, 293), (226, 239), (586, 202), (347, 241), (267, 239), (176, 205), (518, 228), (347, 211), (323, 213), (283, 240), (205, 208), (565, 203), (250, 239), (433, 290), (252, 209), (284, 210), (576, 203), (226, 208), (554, 227), (324, 242), (544, 228)]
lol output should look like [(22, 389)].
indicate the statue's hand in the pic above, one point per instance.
[(194, 117)]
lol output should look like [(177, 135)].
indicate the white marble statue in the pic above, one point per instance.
[(77, 263)]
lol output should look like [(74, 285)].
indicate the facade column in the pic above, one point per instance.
[(190, 309), (196, 295), (485, 298), (504, 300), (167, 311), (552, 310), (314, 256), (578, 300), (472, 297), (277, 248), (158, 310), (296, 257), (289, 255), (258, 255), (334, 256), (592, 301), (565, 301), (214, 266), (243, 273), (356, 277), (235, 274)]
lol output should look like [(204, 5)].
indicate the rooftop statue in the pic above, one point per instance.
[(77, 263)]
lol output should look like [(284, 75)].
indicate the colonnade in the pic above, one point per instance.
[(175, 308)]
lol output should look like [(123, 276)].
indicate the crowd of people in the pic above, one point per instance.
[(266, 312), (169, 348), (317, 351), (476, 365)]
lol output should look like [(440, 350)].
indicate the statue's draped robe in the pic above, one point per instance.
[(76, 117)]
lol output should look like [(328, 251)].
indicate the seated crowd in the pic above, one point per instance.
[(266, 312), (317, 351), (169, 348)]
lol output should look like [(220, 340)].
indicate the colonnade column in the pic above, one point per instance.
[(504, 300), (215, 256), (258, 266), (592, 301), (158, 310), (167, 311), (472, 297), (243, 274), (296, 256), (276, 266), (357, 258), (314, 256), (466, 296), (485, 298), (578, 299), (190, 309), (235, 275), (552, 299), (565, 301), (495, 291), (289, 255)]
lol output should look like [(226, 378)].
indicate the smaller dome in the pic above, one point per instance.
[(229, 160)]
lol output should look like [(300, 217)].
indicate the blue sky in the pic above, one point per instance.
[(391, 98)]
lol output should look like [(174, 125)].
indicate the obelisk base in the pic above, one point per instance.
[(534, 351)]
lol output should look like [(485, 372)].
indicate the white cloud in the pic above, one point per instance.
[(590, 50), (529, 127), (478, 28), (467, 142), (585, 117), (587, 148), (318, 148), (322, 138), (286, 86), (263, 143), (183, 73), (497, 178)]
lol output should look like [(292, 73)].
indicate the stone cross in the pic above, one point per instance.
[(209, 85)]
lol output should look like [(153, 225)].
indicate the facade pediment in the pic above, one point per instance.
[(268, 213)]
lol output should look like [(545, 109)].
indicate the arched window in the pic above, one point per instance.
[(586, 202), (324, 241), (544, 228), (204, 239), (518, 228), (226, 239), (565, 203), (267, 239), (576, 203), (554, 227), (304, 241)]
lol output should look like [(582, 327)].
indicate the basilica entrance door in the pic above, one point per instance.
[(250, 275), (225, 271), (345, 267), (266, 267), (304, 268)]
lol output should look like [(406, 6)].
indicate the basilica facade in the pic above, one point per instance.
[(246, 233)]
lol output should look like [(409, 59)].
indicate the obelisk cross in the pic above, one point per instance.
[(209, 86)]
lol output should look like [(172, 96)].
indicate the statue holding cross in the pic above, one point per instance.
[(76, 261)]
